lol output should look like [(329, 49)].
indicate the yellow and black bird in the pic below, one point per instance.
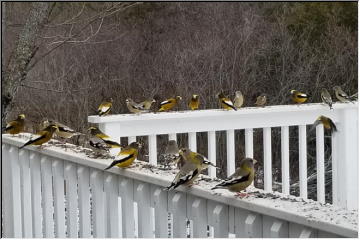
[(135, 107), (16, 126), (193, 165), (63, 130), (146, 105), (341, 95), (298, 97), (239, 99), (261, 100), (169, 104), (105, 107), (94, 131), (98, 145), (242, 178), (326, 97), (194, 102), (127, 156), (327, 122), (225, 102), (44, 136)]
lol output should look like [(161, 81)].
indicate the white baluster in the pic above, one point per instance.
[(302, 161), (98, 203), (71, 200), (196, 210), (59, 197), (159, 203), (231, 222), (36, 194), (47, 197), (26, 213), (177, 206), (172, 136), (320, 167), (83, 174), (285, 175), (111, 190), (218, 218), (249, 143), (126, 192), (131, 139), (12, 193), (230, 151), (152, 150), (142, 196), (335, 162), (267, 159), (212, 152), (192, 141)]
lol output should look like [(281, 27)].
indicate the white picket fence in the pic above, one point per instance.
[(345, 153), (57, 192)]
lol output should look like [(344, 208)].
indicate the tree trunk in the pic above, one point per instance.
[(25, 49)]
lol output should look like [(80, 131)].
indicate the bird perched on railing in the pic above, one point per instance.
[(341, 95), (16, 126), (44, 136), (327, 122), (239, 99), (261, 100), (94, 131), (105, 107), (194, 164), (225, 102), (98, 145), (298, 97), (194, 102), (171, 153), (169, 104), (326, 97), (63, 131), (127, 155), (135, 107), (241, 179), (146, 105)]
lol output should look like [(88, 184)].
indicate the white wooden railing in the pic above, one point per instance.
[(57, 192), (345, 154)]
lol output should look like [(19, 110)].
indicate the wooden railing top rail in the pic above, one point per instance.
[(315, 215)]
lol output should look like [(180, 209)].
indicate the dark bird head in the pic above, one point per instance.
[(220, 95), (184, 151), (93, 130), (153, 100), (178, 98), (51, 128), (110, 99)]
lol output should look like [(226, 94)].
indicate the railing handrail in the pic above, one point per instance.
[(219, 120), (336, 220)]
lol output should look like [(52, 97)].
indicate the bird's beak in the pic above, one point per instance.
[(255, 161)]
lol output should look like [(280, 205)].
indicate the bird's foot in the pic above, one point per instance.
[(241, 194)]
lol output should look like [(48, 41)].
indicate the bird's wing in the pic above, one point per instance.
[(63, 128), (236, 180), (166, 102), (104, 107), (301, 95)]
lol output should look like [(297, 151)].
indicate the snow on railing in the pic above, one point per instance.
[(57, 192), (344, 142)]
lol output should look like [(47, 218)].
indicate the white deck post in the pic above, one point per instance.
[(59, 198), (83, 174), (346, 158), (36, 194), (152, 149)]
